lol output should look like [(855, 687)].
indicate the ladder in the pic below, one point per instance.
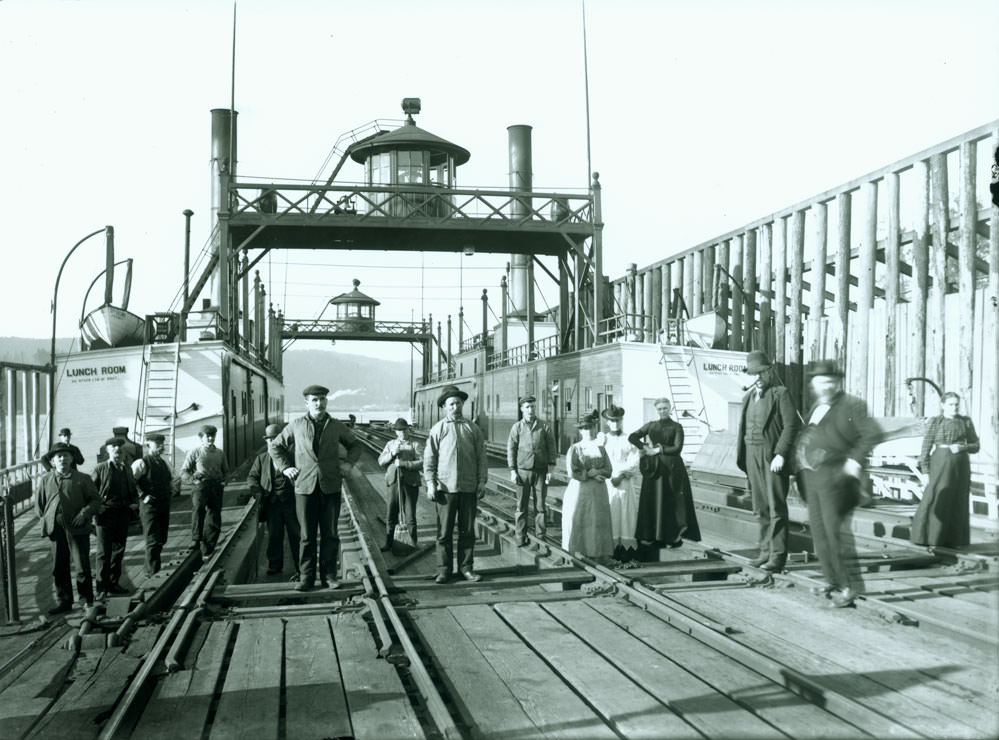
[(157, 411), (686, 397)]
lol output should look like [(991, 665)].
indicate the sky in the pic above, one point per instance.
[(703, 116)]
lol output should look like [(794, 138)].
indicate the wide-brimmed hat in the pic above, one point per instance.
[(448, 391), (57, 448), (272, 430), (315, 390), (756, 363), (589, 421), (400, 423), (156, 438), (825, 367), (613, 413)]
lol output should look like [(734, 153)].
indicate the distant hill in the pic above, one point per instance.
[(31, 351), (355, 381)]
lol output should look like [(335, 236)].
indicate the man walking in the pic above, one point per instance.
[(66, 500), (156, 486), (206, 468), (306, 451), (454, 467), (530, 455), (768, 426), (118, 494), (831, 451), (275, 506)]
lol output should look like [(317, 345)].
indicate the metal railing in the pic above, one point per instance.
[(351, 325), (278, 200), (629, 327), (524, 353), (17, 486), (479, 341)]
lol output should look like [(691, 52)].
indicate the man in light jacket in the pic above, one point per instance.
[(314, 466)]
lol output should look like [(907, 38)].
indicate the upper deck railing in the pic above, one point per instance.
[(407, 203)]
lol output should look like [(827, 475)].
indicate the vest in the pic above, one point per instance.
[(156, 482)]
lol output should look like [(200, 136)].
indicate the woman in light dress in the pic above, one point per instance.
[(586, 516), (622, 486)]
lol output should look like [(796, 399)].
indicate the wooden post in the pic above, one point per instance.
[(780, 290), (638, 319), (865, 295), (966, 273), (891, 293), (749, 296), (697, 262), (688, 284), (921, 280), (796, 353), (993, 311), (648, 323), (708, 278), (667, 292), (721, 304), (940, 225), (4, 393), (736, 256), (629, 295), (843, 207), (816, 350), (34, 448), (678, 283), (657, 301), (565, 341), (766, 281), (11, 417)]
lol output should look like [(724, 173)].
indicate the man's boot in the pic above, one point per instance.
[(389, 537)]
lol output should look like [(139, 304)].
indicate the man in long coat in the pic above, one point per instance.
[(767, 429)]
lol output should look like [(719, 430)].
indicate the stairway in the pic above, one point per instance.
[(157, 410), (685, 393)]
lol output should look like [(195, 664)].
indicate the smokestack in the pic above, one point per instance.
[(223, 171), (521, 288), (109, 267)]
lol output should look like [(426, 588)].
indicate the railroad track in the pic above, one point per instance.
[(546, 645)]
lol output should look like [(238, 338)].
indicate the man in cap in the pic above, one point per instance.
[(130, 451), (65, 501), (830, 453), (119, 495), (454, 467), (206, 468), (65, 435), (768, 426), (156, 486), (275, 506), (306, 451), (403, 459), (530, 455)]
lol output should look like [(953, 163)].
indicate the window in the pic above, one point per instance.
[(409, 168)]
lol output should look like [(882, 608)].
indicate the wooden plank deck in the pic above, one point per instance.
[(250, 703), (315, 703)]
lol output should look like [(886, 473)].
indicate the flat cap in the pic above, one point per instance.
[(114, 442), (315, 390), (155, 438), (65, 432), (272, 431), (528, 399), (208, 429)]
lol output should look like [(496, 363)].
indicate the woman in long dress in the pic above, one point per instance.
[(586, 517), (942, 518), (622, 491), (666, 513)]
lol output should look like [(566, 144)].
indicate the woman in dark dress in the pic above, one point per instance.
[(665, 508), (943, 518)]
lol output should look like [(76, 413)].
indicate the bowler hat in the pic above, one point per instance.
[(589, 421), (114, 441), (824, 367), (119, 431), (57, 448), (315, 390), (448, 391), (155, 438), (528, 399), (65, 432), (756, 362), (208, 429), (272, 431), (613, 413), (400, 423)]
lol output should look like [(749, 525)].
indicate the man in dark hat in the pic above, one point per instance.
[(455, 469), (275, 506), (530, 455), (65, 501), (307, 452), (403, 459), (156, 486), (768, 426), (830, 455), (119, 495), (65, 435), (205, 468)]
